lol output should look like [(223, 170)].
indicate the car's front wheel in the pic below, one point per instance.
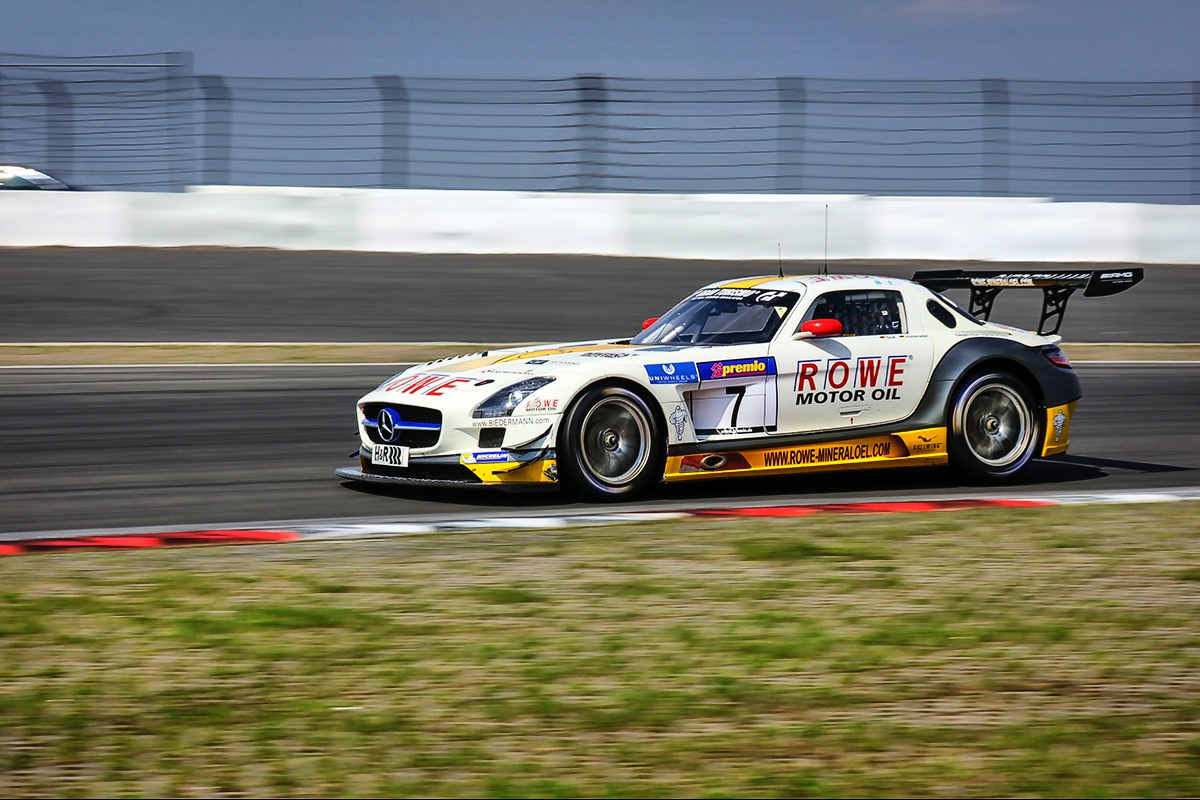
[(611, 444), (993, 427)]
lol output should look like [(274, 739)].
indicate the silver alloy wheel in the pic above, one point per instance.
[(615, 440), (995, 423)]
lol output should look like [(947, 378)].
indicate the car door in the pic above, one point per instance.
[(873, 373), (738, 392)]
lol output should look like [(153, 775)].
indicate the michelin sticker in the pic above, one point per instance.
[(487, 457), (678, 418)]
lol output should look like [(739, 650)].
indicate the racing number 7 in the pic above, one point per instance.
[(740, 391)]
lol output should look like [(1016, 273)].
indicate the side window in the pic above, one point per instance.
[(862, 313), (941, 313)]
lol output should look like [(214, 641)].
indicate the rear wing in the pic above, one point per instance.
[(1057, 288)]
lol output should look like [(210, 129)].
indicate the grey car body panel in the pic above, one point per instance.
[(1053, 386)]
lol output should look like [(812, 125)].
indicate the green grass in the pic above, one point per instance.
[(1035, 653)]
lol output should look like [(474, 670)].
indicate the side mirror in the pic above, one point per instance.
[(819, 329), (649, 322)]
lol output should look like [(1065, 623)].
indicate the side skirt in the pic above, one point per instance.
[(925, 446)]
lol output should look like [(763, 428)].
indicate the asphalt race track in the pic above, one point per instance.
[(97, 448), (107, 448), (204, 295)]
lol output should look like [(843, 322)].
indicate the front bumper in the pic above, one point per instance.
[(527, 470)]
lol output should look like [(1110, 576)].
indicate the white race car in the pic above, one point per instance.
[(13, 177), (759, 376)]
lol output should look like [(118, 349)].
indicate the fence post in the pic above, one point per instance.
[(995, 136), (181, 156), (217, 131), (593, 104), (60, 129), (790, 135), (393, 137)]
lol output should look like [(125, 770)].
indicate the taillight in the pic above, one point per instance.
[(1057, 357)]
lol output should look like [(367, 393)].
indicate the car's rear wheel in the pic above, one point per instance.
[(993, 427), (611, 445)]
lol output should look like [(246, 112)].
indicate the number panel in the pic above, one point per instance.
[(741, 409)]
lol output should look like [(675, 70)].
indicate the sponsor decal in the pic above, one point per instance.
[(676, 372), (1060, 419), (749, 295), (1030, 279), (425, 384), (556, 351), (732, 431), (487, 457), (736, 368), (502, 371), (538, 361), (827, 454), (720, 293), (436, 391), (678, 418), (926, 444), (604, 355), (538, 405), (844, 380), (504, 422)]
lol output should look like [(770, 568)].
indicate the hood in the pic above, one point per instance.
[(557, 358), (474, 376)]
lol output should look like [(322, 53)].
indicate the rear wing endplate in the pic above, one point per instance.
[(1057, 288)]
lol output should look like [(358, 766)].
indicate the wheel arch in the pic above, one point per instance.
[(641, 391), (577, 476), (971, 357), (1000, 363)]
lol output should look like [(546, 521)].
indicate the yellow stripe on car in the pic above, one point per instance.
[(750, 283), (1058, 429), (924, 446)]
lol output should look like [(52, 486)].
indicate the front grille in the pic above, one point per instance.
[(427, 424)]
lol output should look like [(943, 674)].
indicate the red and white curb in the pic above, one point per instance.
[(19, 544)]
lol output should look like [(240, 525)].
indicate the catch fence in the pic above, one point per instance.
[(147, 122)]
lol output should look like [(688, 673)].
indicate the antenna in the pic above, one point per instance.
[(779, 248), (827, 238)]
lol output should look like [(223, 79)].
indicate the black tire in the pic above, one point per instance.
[(994, 428), (611, 445)]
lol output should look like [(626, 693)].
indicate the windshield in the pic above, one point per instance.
[(16, 178), (722, 316)]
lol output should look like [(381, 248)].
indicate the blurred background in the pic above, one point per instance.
[(1065, 99)]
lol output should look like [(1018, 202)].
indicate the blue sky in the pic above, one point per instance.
[(1104, 40)]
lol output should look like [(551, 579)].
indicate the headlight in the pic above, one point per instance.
[(504, 402)]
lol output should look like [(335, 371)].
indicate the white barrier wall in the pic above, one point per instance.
[(667, 226)]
